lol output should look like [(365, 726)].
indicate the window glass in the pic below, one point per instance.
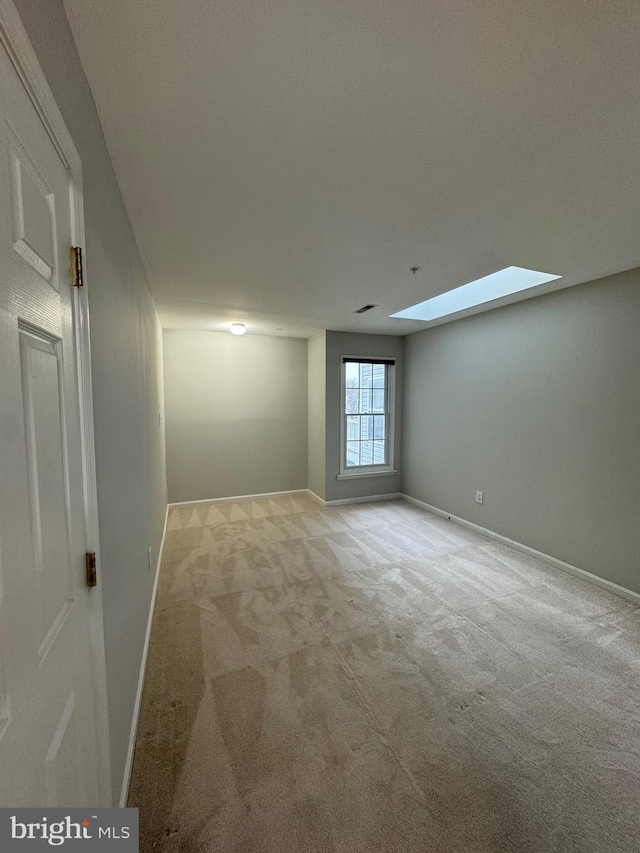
[(366, 427), (366, 375), (351, 374), (366, 453), (353, 453)]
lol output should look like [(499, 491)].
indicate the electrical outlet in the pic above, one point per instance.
[(479, 497), (149, 558)]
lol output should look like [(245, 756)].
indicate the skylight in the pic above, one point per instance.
[(495, 286)]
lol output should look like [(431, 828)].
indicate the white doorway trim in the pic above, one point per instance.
[(16, 42)]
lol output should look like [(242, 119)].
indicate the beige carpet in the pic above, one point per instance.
[(376, 678)]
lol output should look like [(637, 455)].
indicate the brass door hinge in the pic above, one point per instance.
[(92, 572), (77, 272)]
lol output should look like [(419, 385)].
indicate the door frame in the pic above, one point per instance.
[(13, 37)]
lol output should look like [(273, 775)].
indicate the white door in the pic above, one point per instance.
[(49, 729)]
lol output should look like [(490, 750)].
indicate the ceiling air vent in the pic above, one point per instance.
[(364, 309)]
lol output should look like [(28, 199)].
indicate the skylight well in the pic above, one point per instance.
[(502, 283)]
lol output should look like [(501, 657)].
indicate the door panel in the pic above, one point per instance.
[(33, 215), (42, 395), (49, 751), (63, 752)]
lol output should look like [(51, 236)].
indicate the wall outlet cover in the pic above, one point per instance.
[(479, 497)]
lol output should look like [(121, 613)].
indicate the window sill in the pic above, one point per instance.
[(386, 472)]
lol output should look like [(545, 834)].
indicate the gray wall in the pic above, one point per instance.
[(538, 405), (317, 404), (236, 411), (383, 346), (126, 349)]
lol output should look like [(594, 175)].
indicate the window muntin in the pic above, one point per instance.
[(365, 412)]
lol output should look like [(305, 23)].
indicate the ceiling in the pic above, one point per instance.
[(284, 162)]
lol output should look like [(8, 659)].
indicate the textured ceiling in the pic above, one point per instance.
[(284, 162)]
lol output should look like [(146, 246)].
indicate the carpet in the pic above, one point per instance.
[(373, 677)]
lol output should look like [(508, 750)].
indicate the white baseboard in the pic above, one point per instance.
[(392, 496), (365, 499), (610, 586), (126, 779), (242, 497)]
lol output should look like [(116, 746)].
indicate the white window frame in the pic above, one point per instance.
[(353, 471)]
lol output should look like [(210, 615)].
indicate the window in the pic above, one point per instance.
[(367, 420), (505, 282)]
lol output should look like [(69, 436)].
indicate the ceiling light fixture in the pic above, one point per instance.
[(487, 289), (238, 328)]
